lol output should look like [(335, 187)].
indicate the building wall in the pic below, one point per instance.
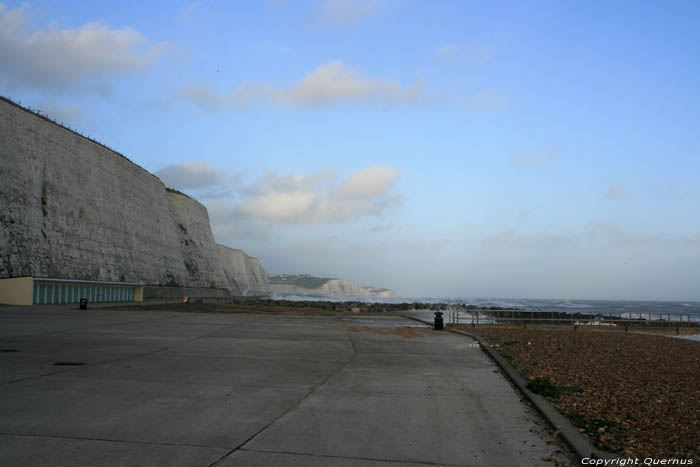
[(71, 208), (47, 291), (178, 293), (16, 291)]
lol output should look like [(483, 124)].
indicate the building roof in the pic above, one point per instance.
[(81, 281)]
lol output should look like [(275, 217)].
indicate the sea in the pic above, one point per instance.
[(672, 310)]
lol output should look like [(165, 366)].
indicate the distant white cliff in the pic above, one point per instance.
[(243, 273), (305, 285)]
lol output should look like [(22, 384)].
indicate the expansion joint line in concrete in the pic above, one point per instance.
[(352, 342), (371, 459), (108, 440), (120, 359), (581, 446), (295, 405)]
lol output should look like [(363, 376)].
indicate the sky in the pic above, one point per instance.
[(513, 149)]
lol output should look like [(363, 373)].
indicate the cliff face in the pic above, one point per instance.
[(71, 208), (317, 287), (200, 252), (243, 273)]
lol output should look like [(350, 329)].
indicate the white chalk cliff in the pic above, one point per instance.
[(72, 208), (305, 285), (243, 272)]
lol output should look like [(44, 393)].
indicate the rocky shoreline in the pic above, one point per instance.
[(258, 304)]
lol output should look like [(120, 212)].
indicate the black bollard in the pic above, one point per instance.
[(438, 321), (83, 303)]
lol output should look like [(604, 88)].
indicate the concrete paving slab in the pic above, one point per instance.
[(446, 406), (409, 379), (27, 356), (41, 451), (224, 371), (196, 414), (426, 343), (279, 347), (295, 328), (22, 321), (163, 388), (247, 458), (32, 361)]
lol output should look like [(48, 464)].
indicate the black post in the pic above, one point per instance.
[(438, 321)]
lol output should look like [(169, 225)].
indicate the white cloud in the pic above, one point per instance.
[(327, 85), (54, 59), (280, 206), (348, 12), (539, 156), (274, 181), (464, 52), (229, 223), (309, 199), (368, 183), (333, 82), (616, 192)]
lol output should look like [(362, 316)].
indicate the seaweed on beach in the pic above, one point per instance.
[(544, 387)]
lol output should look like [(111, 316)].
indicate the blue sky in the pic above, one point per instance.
[(454, 149)]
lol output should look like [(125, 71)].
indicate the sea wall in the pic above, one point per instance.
[(72, 208), (177, 294), (243, 273), (336, 288)]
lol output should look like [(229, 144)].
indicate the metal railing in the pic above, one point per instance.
[(613, 318)]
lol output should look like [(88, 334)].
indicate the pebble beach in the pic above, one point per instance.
[(636, 395)]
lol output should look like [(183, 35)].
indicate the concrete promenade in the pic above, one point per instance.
[(148, 388)]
